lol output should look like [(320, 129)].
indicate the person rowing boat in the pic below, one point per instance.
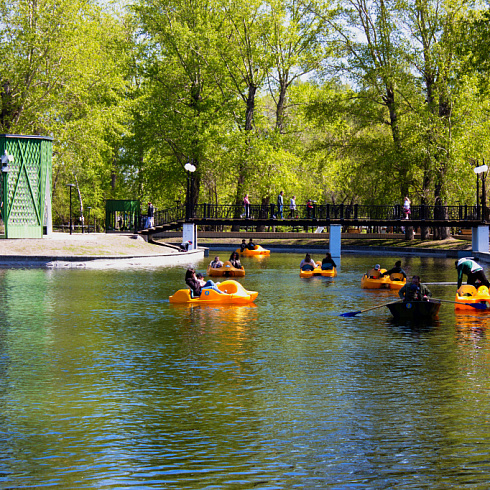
[(414, 291)]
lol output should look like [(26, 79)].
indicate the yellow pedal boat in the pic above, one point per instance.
[(318, 271), (470, 295), (226, 271), (234, 293), (394, 281), (258, 250)]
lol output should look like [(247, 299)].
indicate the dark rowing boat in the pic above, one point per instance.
[(415, 310)]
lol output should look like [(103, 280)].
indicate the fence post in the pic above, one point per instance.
[(342, 211)]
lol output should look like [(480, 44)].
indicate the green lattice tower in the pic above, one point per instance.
[(26, 210)]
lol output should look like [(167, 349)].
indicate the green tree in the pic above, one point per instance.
[(62, 75), (181, 112)]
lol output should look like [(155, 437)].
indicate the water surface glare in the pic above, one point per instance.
[(104, 384)]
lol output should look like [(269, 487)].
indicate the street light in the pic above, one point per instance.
[(88, 224), (190, 168), (480, 170), (71, 187)]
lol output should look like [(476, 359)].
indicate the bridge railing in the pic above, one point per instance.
[(164, 216), (318, 212), (336, 211)]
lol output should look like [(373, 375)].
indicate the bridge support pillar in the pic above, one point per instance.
[(189, 234), (479, 239), (335, 240)]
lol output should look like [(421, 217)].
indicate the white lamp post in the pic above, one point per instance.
[(190, 168), (482, 169), (71, 186)]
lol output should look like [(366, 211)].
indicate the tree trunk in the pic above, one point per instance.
[(7, 112), (424, 230), (280, 106), (440, 212), (249, 117), (264, 211)]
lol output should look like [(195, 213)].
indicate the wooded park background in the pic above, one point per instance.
[(347, 101)]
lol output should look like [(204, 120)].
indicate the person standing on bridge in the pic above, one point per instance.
[(151, 212), (280, 204), (472, 270), (292, 207), (406, 207), (309, 209), (246, 205)]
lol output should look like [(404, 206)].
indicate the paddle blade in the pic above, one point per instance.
[(350, 313), (478, 306)]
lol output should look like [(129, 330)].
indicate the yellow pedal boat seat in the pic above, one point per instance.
[(467, 290)]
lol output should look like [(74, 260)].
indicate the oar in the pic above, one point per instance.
[(354, 313), (441, 283), (477, 306)]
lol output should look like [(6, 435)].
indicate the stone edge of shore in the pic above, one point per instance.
[(100, 261)]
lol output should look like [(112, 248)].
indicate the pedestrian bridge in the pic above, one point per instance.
[(318, 216)]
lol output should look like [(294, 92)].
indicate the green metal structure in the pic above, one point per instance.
[(121, 215), (26, 185)]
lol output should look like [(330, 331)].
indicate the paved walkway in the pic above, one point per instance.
[(94, 251)]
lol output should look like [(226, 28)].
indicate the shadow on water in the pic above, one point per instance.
[(414, 327)]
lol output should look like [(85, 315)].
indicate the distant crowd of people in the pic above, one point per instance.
[(278, 209)]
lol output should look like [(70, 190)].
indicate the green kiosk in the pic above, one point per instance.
[(122, 215), (26, 185)]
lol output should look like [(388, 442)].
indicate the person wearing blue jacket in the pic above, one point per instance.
[(474, 272)]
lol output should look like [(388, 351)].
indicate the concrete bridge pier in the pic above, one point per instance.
[(480, 239), (334, 242), (189, 234)]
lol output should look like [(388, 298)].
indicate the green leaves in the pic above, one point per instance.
[(344, 102)]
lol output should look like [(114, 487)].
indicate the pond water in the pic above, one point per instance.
[(104, 384)]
